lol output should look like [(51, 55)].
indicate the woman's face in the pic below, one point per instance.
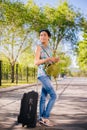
[(44, 38)]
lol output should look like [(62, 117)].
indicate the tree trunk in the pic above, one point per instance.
[(16, 73), (12, 73), (27, 74)]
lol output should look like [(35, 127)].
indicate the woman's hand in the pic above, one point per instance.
[(53, 59)]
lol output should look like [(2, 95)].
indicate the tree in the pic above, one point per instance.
[(63, 22), (15, 36), (82, 53), (19, 21), (37, 16), (27, 58)]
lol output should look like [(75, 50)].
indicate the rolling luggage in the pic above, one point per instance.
[(28, 109)]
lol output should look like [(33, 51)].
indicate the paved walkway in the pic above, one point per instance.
[(69, 112)]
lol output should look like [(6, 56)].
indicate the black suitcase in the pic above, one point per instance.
[(28, 109)]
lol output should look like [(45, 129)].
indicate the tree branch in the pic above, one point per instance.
[(21, 47)]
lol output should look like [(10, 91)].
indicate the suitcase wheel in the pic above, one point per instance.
[(23, 125)]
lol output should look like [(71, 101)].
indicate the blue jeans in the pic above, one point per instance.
[(47, 88)]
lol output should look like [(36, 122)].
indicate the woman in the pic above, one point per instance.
[(41, 59)]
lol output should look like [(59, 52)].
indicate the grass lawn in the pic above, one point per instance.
[(7, 83)]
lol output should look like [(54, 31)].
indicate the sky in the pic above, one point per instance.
[(77, 4)]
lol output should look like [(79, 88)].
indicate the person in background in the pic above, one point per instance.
[(41, 58)]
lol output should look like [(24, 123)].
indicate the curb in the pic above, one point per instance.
[(2, 90)]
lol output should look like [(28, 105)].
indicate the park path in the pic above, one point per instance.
[(69, 112)]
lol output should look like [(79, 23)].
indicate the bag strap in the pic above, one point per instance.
[(45, 51)]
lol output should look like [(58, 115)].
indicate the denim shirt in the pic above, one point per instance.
[(43, 55)]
